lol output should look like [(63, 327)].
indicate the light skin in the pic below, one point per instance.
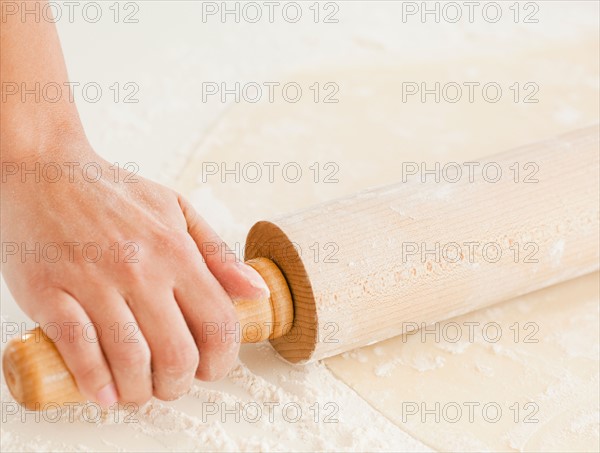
[(173, 293)]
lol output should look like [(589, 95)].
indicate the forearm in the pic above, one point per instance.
[(31, 58)]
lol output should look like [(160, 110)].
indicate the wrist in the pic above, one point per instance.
[(34, 132)]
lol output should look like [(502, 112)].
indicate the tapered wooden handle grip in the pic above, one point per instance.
[(37, 375)]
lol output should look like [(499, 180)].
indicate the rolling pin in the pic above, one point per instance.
[(364, 268)]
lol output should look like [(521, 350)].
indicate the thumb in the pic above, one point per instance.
[(237, 278)]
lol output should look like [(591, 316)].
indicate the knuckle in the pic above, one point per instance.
[(131, 271), (184, 247), (174, 376), (180, 359), (131, 356), (89, 373), (78, 338), (218, 352), (41, 282), (167, 237), (220, 336)]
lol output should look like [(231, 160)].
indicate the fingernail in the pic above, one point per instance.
[(107, 396), (254, 278)]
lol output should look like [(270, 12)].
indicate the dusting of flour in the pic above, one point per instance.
[(264, 404)]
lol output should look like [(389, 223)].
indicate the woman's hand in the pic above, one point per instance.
[(131, 283)]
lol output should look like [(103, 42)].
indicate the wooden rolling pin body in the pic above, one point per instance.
[(373, 277), (374, 265)]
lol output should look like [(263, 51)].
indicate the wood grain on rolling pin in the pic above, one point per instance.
[(373, 292)]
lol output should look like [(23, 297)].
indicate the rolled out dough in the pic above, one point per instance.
[(547, 391)]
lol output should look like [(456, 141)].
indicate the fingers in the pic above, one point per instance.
[(238, 279), (212, 320), (124, 345), (173, 349), (76, 341), (164, 331)]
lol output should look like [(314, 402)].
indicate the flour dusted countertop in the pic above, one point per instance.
[(171, 132)]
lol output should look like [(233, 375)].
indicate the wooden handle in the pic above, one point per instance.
[(37, 375)]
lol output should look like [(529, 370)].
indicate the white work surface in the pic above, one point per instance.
[(361, 399)]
